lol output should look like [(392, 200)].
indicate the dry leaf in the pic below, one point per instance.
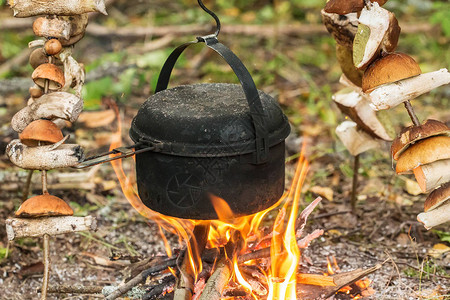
[(325, 192)]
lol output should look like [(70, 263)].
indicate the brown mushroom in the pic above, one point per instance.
[(390, 68), (52, 47), (35, 92), (411, 134), (342, 28), (38, 57), (424, 152), (40, 132), (437, 197), (51, 72), (344, 56), (52, 27), (43, 206)]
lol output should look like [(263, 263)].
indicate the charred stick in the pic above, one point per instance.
[(26, 188), (46, 266), (184, 288), (411, 113), (74, 289), (122, 289), (355, 182), (154, 292)]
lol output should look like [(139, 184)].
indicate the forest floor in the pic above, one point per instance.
[(301, 72)]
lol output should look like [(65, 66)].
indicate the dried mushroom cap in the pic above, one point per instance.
[(52, 47), (38, 57), (52, 27), (412, 134), (390, 68), (437, 197), (41, 131), (390, 40), (343, 7), (43, 206), (424, 152), (50, 72)]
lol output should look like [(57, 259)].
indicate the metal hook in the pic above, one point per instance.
[(212, 15)]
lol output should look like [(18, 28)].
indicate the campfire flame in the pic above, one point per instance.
[(282, 276)]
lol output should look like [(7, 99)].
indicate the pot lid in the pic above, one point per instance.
[(211, 119)]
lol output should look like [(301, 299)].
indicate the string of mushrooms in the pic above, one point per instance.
[(55, 99), (377, 78)]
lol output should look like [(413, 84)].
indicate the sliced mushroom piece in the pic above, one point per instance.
[(424, 152), (342, 28), (437, 197), (432, 175), (51, 73), (392, 94), (411, 134), (30, 8), (435, 217), (78, 23), (43, 206), (73, 73), (390, 68), (358, 109), (44, 157), (356, 141), (41, 132), (50, 106), (52, 27), (72, 40), (341, 7), (344, 57), (19, 227), (390, 39), (373, 25)]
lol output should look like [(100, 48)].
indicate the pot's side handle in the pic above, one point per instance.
[(251, 93)]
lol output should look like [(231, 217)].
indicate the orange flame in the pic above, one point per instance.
[(284, 251)]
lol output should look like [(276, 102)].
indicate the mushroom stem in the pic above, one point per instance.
[(26, 188), (46, 266), (355, 181), (411, 113)]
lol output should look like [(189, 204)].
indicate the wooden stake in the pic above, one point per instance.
[(355, 182), (46, 266), (411, 113), (26, 188)]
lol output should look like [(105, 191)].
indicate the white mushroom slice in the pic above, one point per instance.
[(44, 157), (432, 175), (49, 106), (356, 141), (373, 25), (36, 43), (435, 217), (73, 73), (30, 8), (358, 109), (347, 82), (20, 227), (392, 94), (52, 27)]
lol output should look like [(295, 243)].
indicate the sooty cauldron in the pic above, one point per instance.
[(222, 140)]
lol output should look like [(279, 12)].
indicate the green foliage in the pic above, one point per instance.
[(3, 253), (441, 16), (82, 210), (444, 236)]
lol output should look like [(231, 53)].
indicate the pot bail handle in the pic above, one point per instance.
[(257, 112)]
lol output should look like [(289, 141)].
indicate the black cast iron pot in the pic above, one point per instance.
[(210, 140)]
